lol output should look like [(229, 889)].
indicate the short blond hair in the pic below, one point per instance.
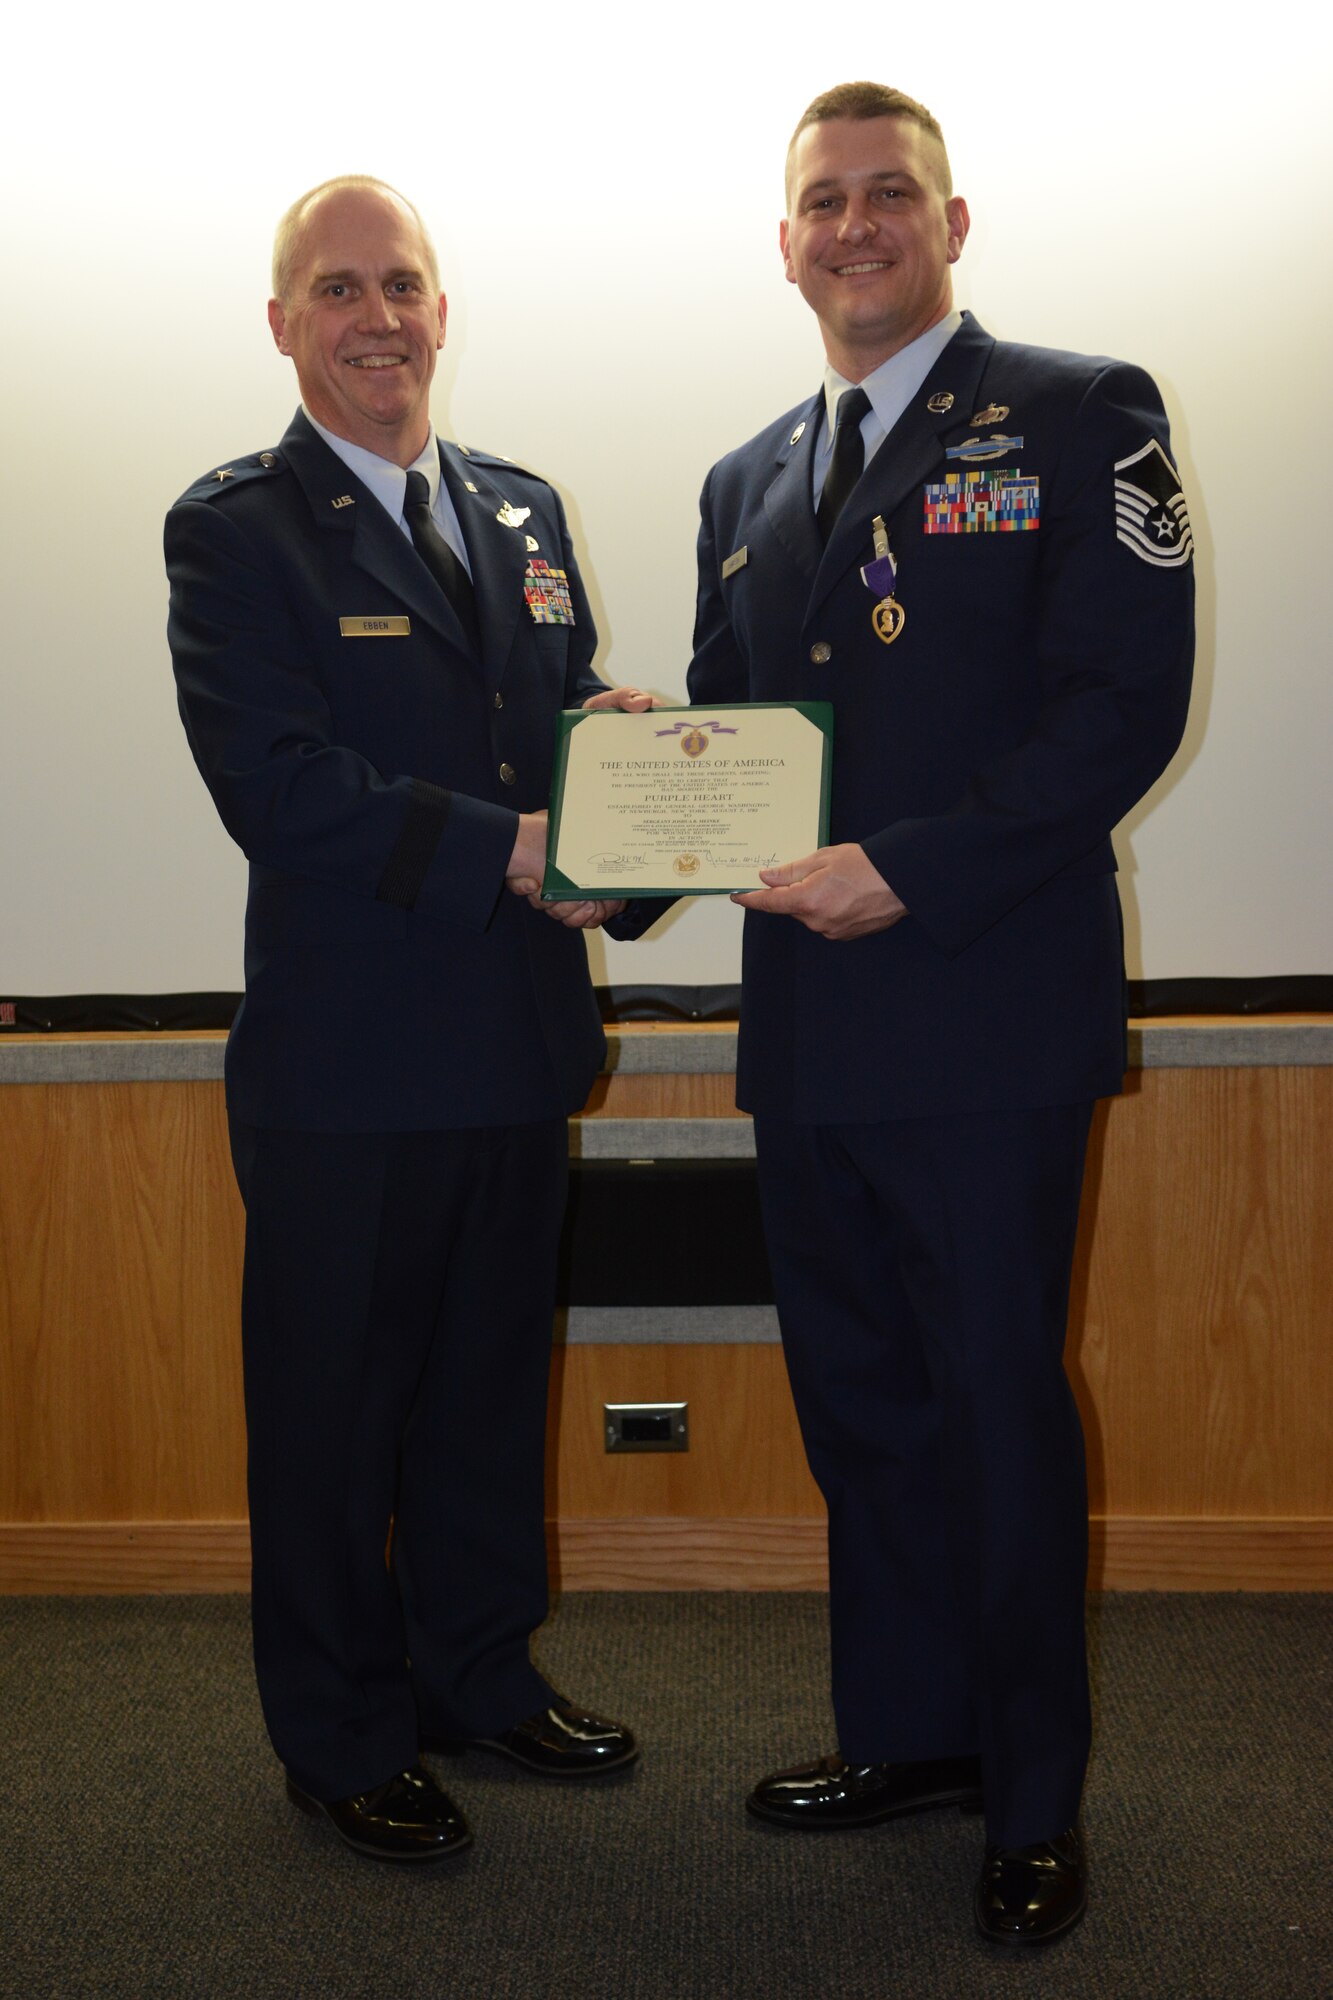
[(870, 100), (287, 241)]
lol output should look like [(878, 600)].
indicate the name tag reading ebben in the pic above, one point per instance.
[(375, 628)]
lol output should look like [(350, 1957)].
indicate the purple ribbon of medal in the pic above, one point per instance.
[(879, 577)]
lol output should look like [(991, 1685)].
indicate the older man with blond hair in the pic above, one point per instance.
[(373, 631)]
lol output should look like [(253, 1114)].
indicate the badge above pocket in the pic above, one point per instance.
[(546, 592), (982, 503)]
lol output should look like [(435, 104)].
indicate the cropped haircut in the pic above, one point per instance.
[(870, 100), (287, 241)]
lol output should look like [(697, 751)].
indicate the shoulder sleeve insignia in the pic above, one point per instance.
[(1151, 517)]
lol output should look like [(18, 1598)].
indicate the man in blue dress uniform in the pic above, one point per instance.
[(980, 554), (373, 632)]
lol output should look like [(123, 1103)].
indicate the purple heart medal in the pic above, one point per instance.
[(879, 576)]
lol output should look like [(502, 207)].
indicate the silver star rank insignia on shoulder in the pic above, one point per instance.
[(1151, 517)]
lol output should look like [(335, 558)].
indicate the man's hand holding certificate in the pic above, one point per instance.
[(685, 801)]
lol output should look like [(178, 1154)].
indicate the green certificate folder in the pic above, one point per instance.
[(685, 801)]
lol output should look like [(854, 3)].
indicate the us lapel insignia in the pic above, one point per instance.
[(798, 433), (344, 500), (510, 516), (994, 413), (941, 401)]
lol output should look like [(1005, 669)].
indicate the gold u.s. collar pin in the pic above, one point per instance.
[(223, 472), (798, 433), (941, 401), (344, 500), (994, 413)]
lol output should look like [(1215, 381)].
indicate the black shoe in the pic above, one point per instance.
[(1032, 1895), (557, 1742), (836, 1795), (408, 1818)]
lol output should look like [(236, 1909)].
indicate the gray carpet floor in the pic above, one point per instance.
[(149, 1850)]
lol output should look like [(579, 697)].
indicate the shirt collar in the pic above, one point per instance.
[(387, 481), (893, 384)]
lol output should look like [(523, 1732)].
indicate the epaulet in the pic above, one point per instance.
[(470, 451), (233, 473)]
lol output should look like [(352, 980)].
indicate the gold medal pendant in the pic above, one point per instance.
[(888, 619)]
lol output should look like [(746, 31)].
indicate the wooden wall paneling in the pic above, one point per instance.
[(1199, 1344), (120, 1240), (1199, 1350), (668, 1096), (676, 1552), (745, 1458)]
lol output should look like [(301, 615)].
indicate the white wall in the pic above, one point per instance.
[(604, 185)]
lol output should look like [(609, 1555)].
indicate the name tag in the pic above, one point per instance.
[(375, 628), (735, 562)]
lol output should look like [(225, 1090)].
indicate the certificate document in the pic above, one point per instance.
[(685, 801)]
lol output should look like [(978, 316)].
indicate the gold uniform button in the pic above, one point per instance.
[(507, 774), (499, 699), (821, 652)]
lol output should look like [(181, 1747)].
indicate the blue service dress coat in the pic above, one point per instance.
[(372, 779), (1038, 687), (921, 1095), (411, 1039)]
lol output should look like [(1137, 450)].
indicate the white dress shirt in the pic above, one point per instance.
[(890, 388), (388, 482)]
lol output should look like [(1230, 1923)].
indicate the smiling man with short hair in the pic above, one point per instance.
[(979, 554), (373, 632)]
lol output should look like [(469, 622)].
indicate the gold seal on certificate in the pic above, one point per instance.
[(685, 801)]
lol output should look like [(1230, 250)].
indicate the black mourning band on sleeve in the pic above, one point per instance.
[(414, 849)]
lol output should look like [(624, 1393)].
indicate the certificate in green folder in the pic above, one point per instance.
[(685, 801)]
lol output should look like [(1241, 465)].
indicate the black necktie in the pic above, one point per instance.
[(848, 461), (438, 557)]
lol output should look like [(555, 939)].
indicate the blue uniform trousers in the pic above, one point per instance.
[(922, 1270), (396, 1314)]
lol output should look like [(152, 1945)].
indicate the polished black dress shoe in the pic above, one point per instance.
[(837, 1795), (1032, 1895), (561, 1741), (408, 1818)]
